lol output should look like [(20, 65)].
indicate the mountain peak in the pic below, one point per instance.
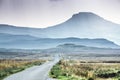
[(70, 45), (86, 15)]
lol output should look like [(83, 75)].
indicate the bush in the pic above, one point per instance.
[(90, 78), (56, 71)]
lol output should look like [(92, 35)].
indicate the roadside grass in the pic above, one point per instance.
[(80, 70), (8, 67)]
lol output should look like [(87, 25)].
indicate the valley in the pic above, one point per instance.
[(73, 60), (84, 47)]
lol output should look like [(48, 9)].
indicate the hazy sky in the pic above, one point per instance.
[(44, 13)]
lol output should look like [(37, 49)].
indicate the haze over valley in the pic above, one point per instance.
[(81, 25)]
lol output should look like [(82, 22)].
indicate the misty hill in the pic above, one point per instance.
[(16, 30), (79, 29), (80, 49), (10, 38), (85, 25), (30, 42), (65, 48), (81, 25)]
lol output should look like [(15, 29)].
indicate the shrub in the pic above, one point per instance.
[(90, 78)]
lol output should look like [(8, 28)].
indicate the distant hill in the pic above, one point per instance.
[(68, 50), (15, 30), (64, 48), (84, 28), (81, 25), (81, 49), (30, 42), (10, 38)]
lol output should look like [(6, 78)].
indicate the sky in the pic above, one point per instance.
[(45, 13)]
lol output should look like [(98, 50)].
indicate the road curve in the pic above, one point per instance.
[(34, 73)]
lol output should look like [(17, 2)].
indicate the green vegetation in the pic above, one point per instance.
[(8, 67), (77, 70)]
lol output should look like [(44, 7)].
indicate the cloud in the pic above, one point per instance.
[(56, 0)]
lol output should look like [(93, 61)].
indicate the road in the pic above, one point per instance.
[(34, 73)]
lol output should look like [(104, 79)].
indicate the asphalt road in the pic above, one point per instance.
[(34, 73)]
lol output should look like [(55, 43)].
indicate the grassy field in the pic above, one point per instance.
[(8, 67), (82, 70)]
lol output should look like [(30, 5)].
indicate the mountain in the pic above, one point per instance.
[(81, 50), (11, 38), (81, 25), (30, 42), (65, 48), (15, 30), (85, 25), (84, 28)]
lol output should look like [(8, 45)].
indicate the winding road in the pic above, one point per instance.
[(35, 73)]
